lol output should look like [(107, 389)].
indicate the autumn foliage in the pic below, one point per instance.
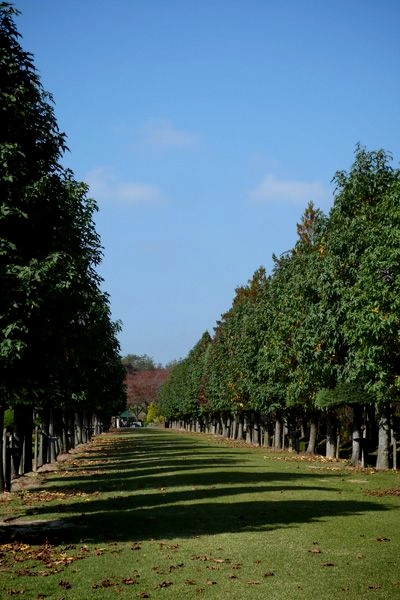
[(143, 388)]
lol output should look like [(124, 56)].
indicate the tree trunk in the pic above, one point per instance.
[(357, 439), (266, 438), (23, 426), (7, 463), (383, 418), (224, 422), (79, 428), (293, 435), (394, 449), (228, 426), (312, 440), (284, 434), (51, 456), (330, 435), (234, 426), (44, 438), (36, 448), (2, 479), (256, 430), (240, 427), (248, 427), (278, 433)]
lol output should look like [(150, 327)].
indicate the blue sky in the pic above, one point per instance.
[(203, 129)]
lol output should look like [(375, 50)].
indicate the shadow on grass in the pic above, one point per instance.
[(158, 485)]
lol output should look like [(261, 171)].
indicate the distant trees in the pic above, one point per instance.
[(308, 357), (59, 355), (143, 380)]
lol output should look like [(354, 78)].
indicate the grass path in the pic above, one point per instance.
[(156, 514)]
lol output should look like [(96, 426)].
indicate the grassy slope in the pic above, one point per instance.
[(164, 515)]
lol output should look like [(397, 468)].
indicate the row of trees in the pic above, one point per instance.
[(310, 353), (59, 355)]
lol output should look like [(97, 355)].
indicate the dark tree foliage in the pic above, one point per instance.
[(58, 344)]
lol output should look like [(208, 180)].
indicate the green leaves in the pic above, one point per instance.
[(58, 338)]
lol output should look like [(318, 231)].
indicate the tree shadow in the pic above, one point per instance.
[(181, 489), (117, 520)]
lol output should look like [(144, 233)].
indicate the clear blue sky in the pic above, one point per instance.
[(204, 128)]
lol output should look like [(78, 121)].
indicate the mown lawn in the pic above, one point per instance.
[(156, 514)]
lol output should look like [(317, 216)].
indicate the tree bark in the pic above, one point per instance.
[(357, 439), (234, 427), (266, 437), (394, 449), (224, 422), (330, 435), (2, 479), (383, 418), (23, 427), (248, 426), (240, 427), (278, 433), (312, 440), (256, 430), (51, 456)]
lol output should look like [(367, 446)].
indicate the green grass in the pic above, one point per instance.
[(152, 513)]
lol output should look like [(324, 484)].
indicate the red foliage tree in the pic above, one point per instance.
[(143, 388)]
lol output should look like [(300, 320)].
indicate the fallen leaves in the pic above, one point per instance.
[(44, 496), (384, 492), (164, 584), (129, 581), (105, 583), (205, 558), (51, 557), (165, 546), (136, 546), (315, 550)]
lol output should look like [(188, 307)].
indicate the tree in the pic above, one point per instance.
[(139, 362), (51, 305), (143, 388), (364, 244)]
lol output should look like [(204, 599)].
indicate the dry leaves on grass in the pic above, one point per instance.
[(43, 496), (113, 581), (384, 492), (164, 584), (165, 546), (205, 558), (54, 559)]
